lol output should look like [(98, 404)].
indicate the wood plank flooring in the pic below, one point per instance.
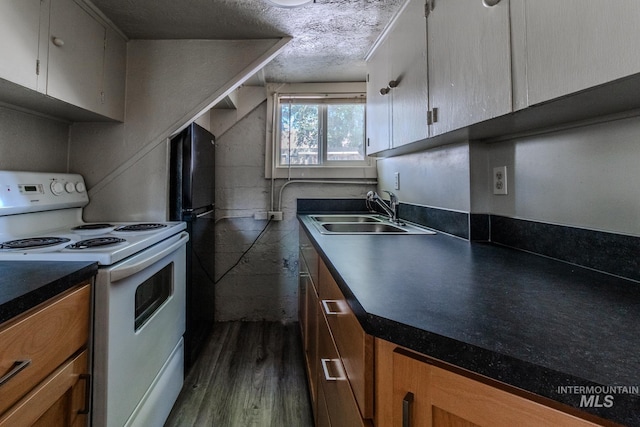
[(250, 374)]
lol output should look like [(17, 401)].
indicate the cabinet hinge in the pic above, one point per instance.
[(102, 97), (367, 77), (37, 67), (432, 116)]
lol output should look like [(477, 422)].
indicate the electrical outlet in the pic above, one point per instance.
[(396, 182), (500, 180), (275, 215)]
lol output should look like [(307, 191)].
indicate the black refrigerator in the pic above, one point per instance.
[(191, 196)]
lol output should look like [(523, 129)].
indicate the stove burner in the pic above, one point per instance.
[(95, 243), (92, 226), (140, 227), (33, 242)]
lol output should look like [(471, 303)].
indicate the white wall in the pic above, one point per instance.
[(436, 178), (586, 176), (32, 142)]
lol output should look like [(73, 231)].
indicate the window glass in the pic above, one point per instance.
[(321, 132), (299, 136), (345, 132)]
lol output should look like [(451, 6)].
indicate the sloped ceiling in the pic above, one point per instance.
[(330, 37)]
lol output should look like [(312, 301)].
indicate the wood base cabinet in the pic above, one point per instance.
[(413, 392), (44, 364), (338, 354)]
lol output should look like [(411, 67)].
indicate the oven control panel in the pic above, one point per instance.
[(23, 192)]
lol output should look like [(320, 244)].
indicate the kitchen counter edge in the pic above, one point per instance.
[(26, 284)]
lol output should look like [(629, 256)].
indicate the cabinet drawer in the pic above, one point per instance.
[(334, 386), (61, 399), (42, 340), (354, 346)]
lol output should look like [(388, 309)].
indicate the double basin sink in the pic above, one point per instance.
[(363, 224)]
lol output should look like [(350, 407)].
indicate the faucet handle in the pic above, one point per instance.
[(392, 197)]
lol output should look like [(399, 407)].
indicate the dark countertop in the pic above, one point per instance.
[(526, 320), (25, 284)]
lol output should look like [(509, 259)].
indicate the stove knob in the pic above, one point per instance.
[(80, 188), (69, 187), (57, 188)]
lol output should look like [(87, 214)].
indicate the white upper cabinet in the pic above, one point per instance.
[(64, 49), (573, 45), (113, 83), (19, 39), (469, 63), (76, 56), (397, 101), (408, 62), (378, 104)]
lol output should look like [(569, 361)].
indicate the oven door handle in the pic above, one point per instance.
[(130, 268)]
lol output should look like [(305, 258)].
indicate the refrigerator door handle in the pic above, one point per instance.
[(190, 214)]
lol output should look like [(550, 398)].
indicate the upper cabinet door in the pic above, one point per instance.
[(76, 56), (576, 44), (408, 61), (378, 104), (113, 86), (469, 62), (19, 34)]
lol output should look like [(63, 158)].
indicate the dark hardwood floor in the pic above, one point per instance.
[(250, 374)]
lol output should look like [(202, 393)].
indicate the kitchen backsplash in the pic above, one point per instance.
[(611, 253)]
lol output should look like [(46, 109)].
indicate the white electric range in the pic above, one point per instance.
[(139, 291)]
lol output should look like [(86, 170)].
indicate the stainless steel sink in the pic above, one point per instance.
[(361, 227), (363, 224), (346, 218)]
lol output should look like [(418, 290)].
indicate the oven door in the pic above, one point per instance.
[(139, 323)]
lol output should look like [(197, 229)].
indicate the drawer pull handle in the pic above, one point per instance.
[(325, 369), (327, 310), (406, 409), (87, 393), (18, 366)]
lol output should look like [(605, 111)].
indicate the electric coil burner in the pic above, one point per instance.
[(94, 226), (96, 242), (143, 227), (33, 243)]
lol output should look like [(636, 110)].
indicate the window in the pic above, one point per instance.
[(318, 132)]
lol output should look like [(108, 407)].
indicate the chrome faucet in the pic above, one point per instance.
[(391, 210)]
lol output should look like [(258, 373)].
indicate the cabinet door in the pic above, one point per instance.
[(378, 104), (76, 55), (60, 400), (408, 60), (411, 400), (469, 63), (19, 34), (113, 87), (429, 396), (576, 44)]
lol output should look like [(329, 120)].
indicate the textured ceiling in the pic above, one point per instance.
[(330, 37)]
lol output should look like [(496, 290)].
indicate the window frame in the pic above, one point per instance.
[(324, 93)]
